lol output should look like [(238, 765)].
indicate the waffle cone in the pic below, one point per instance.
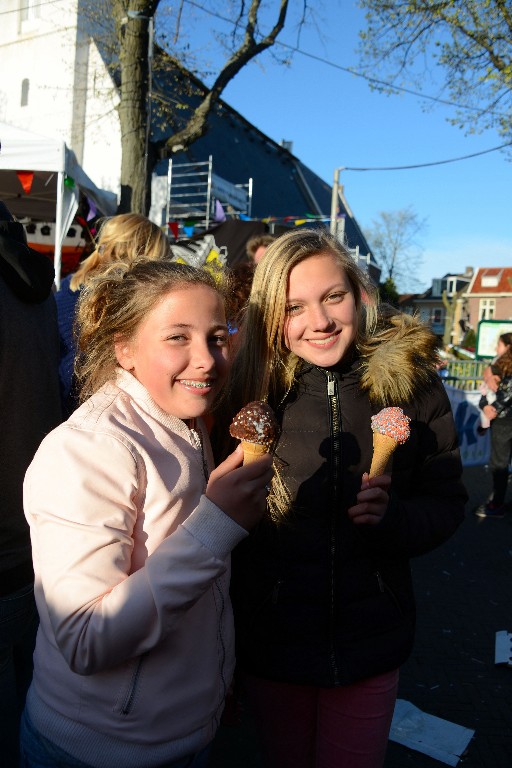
[(253, 451), (383, 447)]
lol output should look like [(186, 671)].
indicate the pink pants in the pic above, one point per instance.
[(307, 727)]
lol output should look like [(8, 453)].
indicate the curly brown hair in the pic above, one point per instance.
[(113, 304)]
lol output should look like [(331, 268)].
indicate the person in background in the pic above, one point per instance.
[(132, 531), (125, 237), (488, 395), (322, 590), (29, 409), (257, 246), (241, 275), (497, 408)]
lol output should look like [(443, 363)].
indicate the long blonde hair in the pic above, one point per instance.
[(263, 368), (125, 237)]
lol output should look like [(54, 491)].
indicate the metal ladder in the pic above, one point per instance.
[(193, 189)]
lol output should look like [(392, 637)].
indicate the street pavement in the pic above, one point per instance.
[(464, 596)]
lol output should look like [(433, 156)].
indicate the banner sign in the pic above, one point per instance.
[(489, 332), (230, 193), (474, 448)]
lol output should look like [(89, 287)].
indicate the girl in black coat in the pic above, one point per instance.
[(322, 590)]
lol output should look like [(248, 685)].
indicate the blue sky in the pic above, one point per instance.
[(334, 119)]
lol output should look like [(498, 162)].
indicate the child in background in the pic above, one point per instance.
[(125, 237), (132, 532)]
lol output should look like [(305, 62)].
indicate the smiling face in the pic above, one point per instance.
[(180, 351), (321, 313)]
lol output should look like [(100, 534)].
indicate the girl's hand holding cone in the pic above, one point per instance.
[(390, 429), (257, 428)]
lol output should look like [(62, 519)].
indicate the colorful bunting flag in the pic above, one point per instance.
[(174, 227), (93, 211), (219, 216), (26, 178)]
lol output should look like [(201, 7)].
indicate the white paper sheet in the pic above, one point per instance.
[(503, 648), (431, 735)]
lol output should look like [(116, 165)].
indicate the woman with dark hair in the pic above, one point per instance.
[(498, 379)]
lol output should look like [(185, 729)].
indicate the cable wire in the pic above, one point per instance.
[(426, 165)]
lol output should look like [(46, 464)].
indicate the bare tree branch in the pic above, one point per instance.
[(249, 49)]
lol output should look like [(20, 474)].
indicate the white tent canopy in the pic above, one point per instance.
[(56, 181)]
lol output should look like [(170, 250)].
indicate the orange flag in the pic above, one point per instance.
[(26, 178)]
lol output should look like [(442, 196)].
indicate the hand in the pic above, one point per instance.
[(491, 379), (241, 491), (490, 412), (372, 500)]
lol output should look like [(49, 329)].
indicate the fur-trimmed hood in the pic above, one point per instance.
[(398, 360)]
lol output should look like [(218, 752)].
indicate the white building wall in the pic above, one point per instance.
[(70, 94)]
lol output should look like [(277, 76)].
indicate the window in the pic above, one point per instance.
[(491, 281), (486, 309), (452, 286), (25, 83), (437, 316), (29, 10)]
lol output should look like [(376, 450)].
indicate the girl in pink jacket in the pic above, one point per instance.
[(132, 531)]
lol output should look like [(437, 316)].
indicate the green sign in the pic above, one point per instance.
[(488, 334)]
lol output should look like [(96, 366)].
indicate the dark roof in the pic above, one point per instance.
[(282, 186)]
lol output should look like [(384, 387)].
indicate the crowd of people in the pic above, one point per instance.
[(162, 573)]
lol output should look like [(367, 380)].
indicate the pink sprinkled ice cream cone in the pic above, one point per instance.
[(390, 429)]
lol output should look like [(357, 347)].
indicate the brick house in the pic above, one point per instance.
[(489, 295)]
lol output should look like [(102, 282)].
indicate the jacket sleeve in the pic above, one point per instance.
[(483, 402), (427, 493), (503, 400), (86, 519)]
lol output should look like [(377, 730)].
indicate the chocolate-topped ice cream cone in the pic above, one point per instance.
[(256, 427)]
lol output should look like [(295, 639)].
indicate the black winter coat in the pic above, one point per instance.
[(320, 600)]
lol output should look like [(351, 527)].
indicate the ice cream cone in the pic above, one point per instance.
[(383, 447), (253, 451)]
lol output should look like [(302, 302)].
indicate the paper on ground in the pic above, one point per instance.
[(503, 648), (431, 735)]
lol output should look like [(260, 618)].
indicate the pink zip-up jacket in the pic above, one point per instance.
[(135, 649)]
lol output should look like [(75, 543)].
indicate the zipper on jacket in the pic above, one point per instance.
[(385, 589), (335, 424), (128, 700), (335, 429)]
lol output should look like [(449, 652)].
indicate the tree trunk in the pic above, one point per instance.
[(135, 192)]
